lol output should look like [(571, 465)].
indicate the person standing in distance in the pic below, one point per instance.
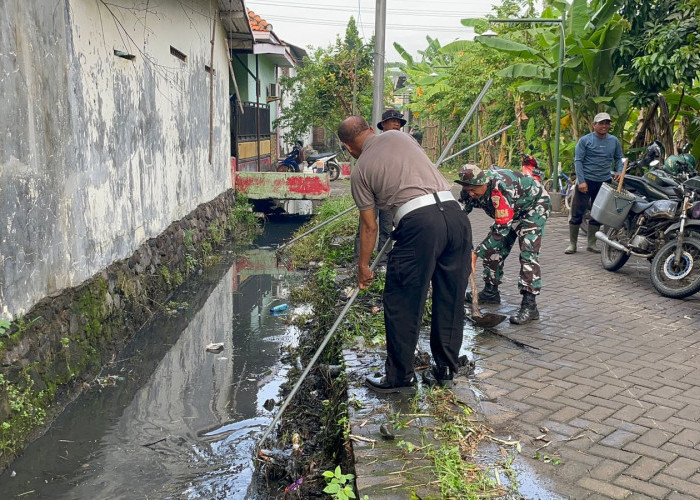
[(595, 153), (432, 244)]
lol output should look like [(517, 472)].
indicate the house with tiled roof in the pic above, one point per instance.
[(256, 144)]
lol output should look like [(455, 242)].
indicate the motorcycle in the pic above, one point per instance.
[(666, 231), (325, 162), (531, 167), (292, 160)]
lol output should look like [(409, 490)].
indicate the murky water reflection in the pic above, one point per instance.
[(180, 422)]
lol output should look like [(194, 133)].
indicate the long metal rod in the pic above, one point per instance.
[(320, 349), (315, 228), (464, 122), (479, 142)]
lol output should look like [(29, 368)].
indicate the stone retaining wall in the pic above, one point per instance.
[(48, 355)]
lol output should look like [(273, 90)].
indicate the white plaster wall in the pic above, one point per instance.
[(99, 153)]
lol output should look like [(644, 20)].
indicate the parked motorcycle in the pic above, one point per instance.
[(325, 162), (665, 231), (293, 159), (530, 166)]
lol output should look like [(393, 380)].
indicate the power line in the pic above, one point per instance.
[(402, 12)]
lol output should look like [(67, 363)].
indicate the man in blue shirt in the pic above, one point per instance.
[(595, 154)]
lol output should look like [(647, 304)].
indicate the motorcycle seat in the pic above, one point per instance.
[(319, 156), (640, 205)]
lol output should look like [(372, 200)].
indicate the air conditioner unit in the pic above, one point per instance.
[(273, 91)]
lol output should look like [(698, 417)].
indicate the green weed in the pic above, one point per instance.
[(339, 484)]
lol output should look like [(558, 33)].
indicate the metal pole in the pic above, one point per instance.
[(320, 348), (316, 227), (557, 129), (464, 122), (379, 34), (479, 142)]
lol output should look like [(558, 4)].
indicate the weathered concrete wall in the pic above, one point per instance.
[(100, 153)]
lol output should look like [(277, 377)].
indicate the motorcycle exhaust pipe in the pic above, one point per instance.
[(617, 246)]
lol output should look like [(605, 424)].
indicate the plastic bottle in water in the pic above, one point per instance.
[(279, 308)]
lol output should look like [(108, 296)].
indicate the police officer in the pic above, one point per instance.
[(519, 206)]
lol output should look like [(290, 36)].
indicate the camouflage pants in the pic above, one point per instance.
[(528, 231)]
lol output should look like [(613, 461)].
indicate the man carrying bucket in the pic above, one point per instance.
[(595, 153)]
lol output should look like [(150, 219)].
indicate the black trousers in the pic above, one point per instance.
[(583, 202), (433, 245)]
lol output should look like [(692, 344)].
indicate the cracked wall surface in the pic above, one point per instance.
[(99, 153)]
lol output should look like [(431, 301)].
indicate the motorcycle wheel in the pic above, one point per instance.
[(611, 258), (569, 198), (333, 170), (677, 281)]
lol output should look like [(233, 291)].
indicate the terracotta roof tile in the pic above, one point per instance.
[(257, 23)]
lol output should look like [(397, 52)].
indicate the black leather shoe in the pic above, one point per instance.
[(439, 376), (381, 386)]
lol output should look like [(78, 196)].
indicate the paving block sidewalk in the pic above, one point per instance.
[(609, 376), (612, 376)]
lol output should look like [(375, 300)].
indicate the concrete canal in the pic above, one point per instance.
[(167, 418)]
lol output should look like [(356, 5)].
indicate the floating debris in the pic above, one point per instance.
[(215, 347)]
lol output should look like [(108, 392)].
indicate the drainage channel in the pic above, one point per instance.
[(167, 418)]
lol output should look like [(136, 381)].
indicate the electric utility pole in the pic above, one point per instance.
[(379, 50)]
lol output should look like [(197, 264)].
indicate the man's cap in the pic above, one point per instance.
[(388, 115), (471, 175), (600, 117)]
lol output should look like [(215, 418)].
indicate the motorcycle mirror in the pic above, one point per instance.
[(654, 163)]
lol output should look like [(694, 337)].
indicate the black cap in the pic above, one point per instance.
[(388, 115)]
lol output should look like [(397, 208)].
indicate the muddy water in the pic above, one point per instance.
[(169, 419)]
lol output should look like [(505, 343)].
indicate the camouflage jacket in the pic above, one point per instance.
[(510, 197)]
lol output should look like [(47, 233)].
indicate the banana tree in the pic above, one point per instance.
[(591, 83)]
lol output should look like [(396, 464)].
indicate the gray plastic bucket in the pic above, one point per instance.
[(610, 207)]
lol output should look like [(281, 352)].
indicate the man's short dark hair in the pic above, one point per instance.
[(351, 127)]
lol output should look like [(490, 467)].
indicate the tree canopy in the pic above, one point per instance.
[(330, 84)]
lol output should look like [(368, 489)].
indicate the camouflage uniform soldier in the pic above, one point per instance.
[(519, 206)]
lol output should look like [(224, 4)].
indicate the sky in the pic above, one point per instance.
[(408, 22)]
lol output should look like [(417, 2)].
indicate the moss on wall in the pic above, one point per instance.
[(48, 355)]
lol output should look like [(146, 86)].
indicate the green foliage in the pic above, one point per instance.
[(322, 91), (25, 413), (4, 326), (216, 234), (339, 484), (241, 221), (661, 48), (165, 274), (332, 243)]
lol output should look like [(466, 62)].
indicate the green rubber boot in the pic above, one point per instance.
[(573, 238), (592, 240)]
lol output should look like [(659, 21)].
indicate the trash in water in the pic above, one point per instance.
[(279, 308), (215, 347)]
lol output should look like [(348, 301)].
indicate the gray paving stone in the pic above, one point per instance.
[(644, 488), (615, 362)]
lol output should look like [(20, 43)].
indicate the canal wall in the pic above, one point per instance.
[(104, 136), (55, 350)]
